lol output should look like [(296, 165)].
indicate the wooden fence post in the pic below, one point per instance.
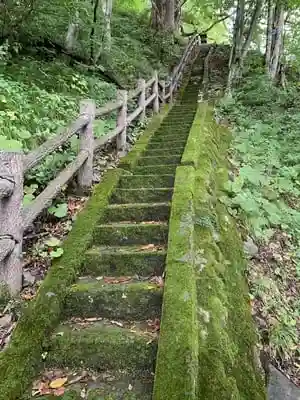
[(11, 225), (142, 98), (155, 90), (85, 173), (122, 120), (171, 91)]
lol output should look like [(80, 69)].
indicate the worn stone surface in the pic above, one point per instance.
[(280, 387)]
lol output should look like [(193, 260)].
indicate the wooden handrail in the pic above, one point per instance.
[(13, 166)]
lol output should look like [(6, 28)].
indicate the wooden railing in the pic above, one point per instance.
[(14, 219)]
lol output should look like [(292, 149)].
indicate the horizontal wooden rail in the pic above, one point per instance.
[(13, 166), (44, 199), (37, 155)]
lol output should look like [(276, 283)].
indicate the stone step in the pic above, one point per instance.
[(163, 152), (101, 347), (146, 181), (173, 136), (120, 299), (145, 260), (137, 212), (158, 160), (131, 234), (154, 144), (125, 196), (156, 169)]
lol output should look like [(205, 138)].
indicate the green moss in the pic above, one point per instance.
[(192, 148), (146, 181), (137, 212), (226, 334), (154, 144), (156, 169), (137, 301), (142, 195), (124, 261), (159, 160), (126, 234), (130, 161), (176, 368), (162, 152), (104, 348), (19, 363), (4, 296)]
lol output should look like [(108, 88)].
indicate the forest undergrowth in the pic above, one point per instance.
[(264, 194)]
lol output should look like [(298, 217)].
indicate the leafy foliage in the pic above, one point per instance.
[(265, 193)]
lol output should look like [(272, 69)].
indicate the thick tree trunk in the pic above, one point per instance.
[(158, 14), (277, 39), (169, 24)]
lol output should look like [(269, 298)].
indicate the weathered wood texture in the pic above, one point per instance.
[(13, 219), (11, 232), (85, 173)]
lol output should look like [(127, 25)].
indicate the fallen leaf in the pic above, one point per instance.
[(113, 280), (58, 383), (147, 247), (155, 325), (158, 280), (58, 392)]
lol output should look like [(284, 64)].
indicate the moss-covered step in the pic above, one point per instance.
[(127, 234), (154, 144), (158, 160), (174, 135), (146, 181), (137, 212), (125, 260), (149, 195), (155, 169), (163, 152), (107, 385), (101, 348), (91, 297)]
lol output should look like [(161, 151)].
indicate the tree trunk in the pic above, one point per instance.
[(269, 36), (93, 30), (157, 15), (253, 23), (169, 24), (72, 33), (277, 40), (107, 12)]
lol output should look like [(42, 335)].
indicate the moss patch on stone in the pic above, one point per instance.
[(146, 181), (127, 234), (177, 359), (123, 260), (142, 195), (137, 212), (21, 360), (101, 349), (227, 368), (136, 301)]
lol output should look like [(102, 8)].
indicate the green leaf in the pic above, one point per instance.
[(57, 253), (53, 242), (59, 211)]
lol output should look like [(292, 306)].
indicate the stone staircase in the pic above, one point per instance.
[(111, 314)]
